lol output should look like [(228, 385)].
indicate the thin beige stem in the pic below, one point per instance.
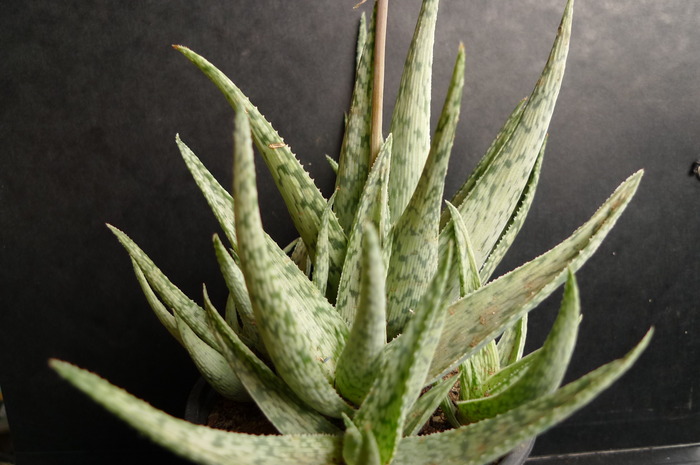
[(378, 82)]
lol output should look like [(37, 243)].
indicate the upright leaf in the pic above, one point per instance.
[(357, 365), (322, 259), (399, 382), (490, 204), (369, 211), (303, 336), (235, 282), (353, 166), (200, 443), (414, 256), (503, 135), (516, 221), (410, 122)]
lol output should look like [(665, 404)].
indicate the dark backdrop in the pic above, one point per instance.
[(92, 96)]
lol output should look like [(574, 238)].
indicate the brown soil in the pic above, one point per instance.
[(242, 417)]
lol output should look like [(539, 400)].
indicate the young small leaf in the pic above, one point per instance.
[(488, 440)]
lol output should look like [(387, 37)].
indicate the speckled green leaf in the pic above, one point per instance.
[(476, 369), (164, 316), (369, 211), (357, 365), (489, 205), (201, 444), (301, 331), (544, 375), (359, 446), (399, 382), (516, 221), (353, 165), (425, 406), (503, 135), (235, 282), (333, 164), (217, 197), (221, 202), (231, 314), (361, 39), (410, 122), (285, 410), (512, 343), (303, 199), (508, 375), (469, 278), (414, 255), (173, 297), (481, 316), (488, 440), (211, 364), (322, 260)]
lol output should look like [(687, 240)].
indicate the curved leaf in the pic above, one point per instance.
[(481, 316), (303, 199), (285, 410), (303, 335), (199, 443)]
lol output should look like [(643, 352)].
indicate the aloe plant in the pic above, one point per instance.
[(353, 336)]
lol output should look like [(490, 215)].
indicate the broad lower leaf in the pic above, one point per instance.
[(285, 410), (301, 331), (202, 444), (400, 380), (414, 255), (481, 316), (544, 375), (488, 440), (410, 122), (357, 365), (303, 199)]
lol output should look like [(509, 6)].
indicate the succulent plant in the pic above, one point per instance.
[(349, 339)]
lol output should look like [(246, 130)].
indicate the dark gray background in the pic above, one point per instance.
[(92, 96)]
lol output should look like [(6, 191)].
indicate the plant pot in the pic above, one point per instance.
[(203, 399)]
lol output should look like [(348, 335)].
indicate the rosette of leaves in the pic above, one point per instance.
[(349, 339)]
